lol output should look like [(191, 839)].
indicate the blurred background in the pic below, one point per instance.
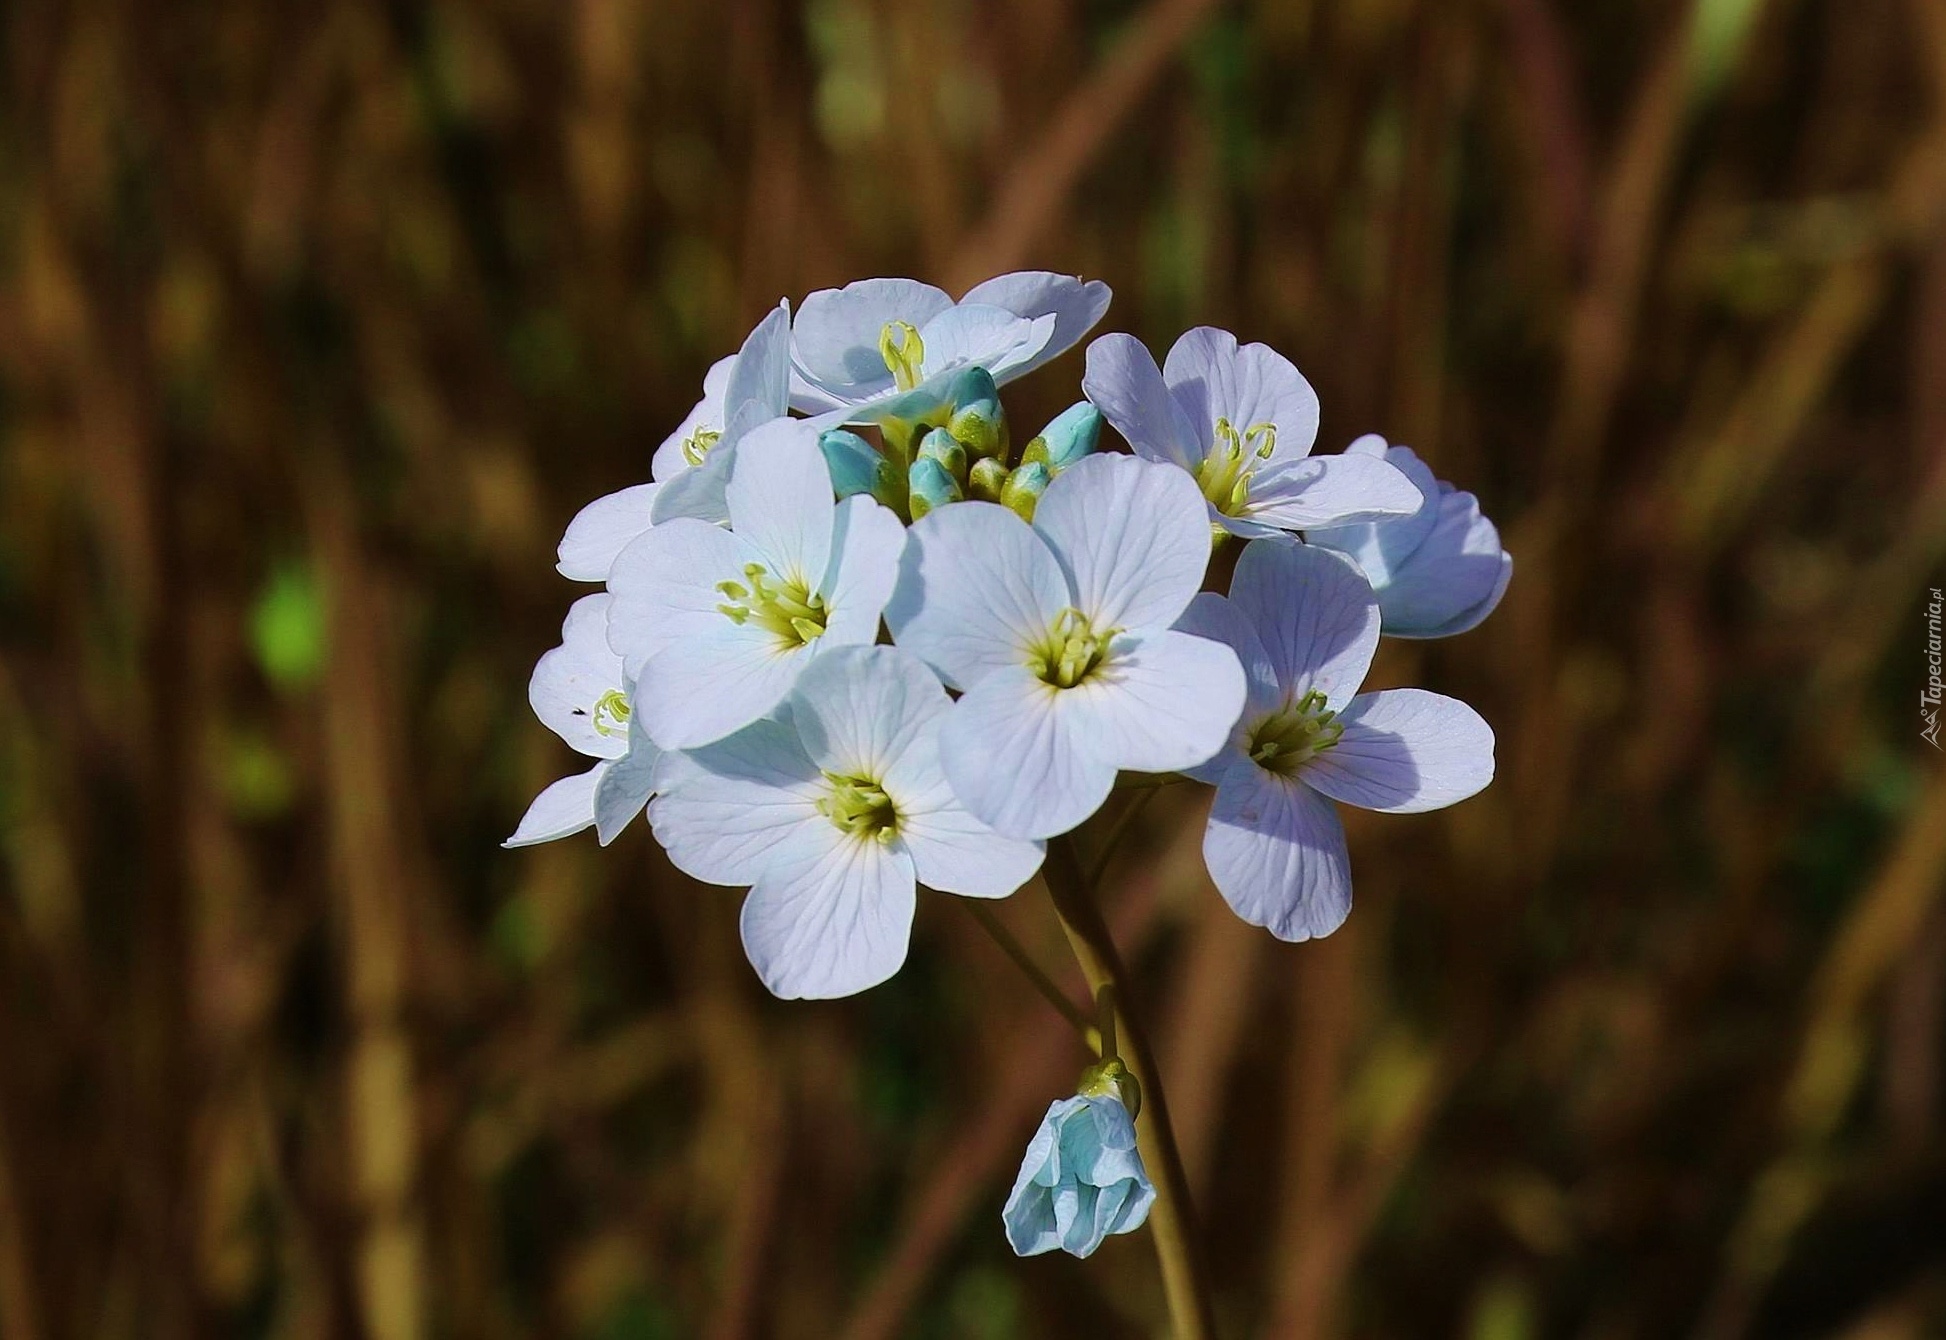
[(318, 322)]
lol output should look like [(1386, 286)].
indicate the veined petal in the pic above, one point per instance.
[(570, 681), (1161, 702), (1131, 535), (1212, 378), (859, 709), (866, 544), (1330, 491), (830, 915), (724, 809), (626, 787), (1076, 305), (563, 809), (760, 383), (1214, 617), (1276, 852), (1382, 547), (1019, 756), (781, 501), (708, 413), (1123, 382), (977, 586), (697, 493), (991, 337), (712, 685), (951, 850), (601, 530), (1315, 612), (1473, 616), (834, 340), (1453, 579), (1405, 751), (665, 588)]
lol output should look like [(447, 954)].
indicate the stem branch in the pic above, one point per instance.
[(1046, 985)]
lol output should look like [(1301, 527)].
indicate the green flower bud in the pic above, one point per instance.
[(940, 445), (1069, 435), (1024, 489), (987, 479), (931, 486), (1109, 1078)]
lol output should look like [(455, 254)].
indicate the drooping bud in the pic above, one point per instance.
[(1024, 488), (931, 486), (1082, 1178), (940, 445), (987, 479), (1069, 435)]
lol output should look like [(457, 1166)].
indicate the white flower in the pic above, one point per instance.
[(1242, 421), (714, 625), (1304, 623), (831, 814), (1437, 572), (878, 337), (1059, 635), (578, 691)]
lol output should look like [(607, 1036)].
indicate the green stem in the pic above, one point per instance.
[(1046, 985), (1101, 964)]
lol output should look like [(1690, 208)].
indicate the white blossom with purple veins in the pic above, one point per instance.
[(1058, 634), (876, 338), (579, 692), (1304, 623), (832, 813), (1242, 421), (1437, 572), (714, 625)]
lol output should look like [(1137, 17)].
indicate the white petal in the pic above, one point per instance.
[(1211, 378), (781, 501), (626, 787), (725, 808), (866, 544), (1330, 491), (707, 413), (976, 587), (706, 688), (830, 915), (697, 493), (1076, 305), (1161, 702), (859, 709), (602, 530), (1132, 535), (1315, 612), (665, 588), (951, 850), (760, 383), (1212, 616), (1123, 382), (991, 337), (563, 809), (1020, 758), (1276, 852), (570, 680), (835, 337), (1382, 547), (1404, 751)]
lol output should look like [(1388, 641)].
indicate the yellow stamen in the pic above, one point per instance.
[(903, 351), (789, 609), (1295, 734), (860, 807)]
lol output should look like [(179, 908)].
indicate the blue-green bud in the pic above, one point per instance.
[(1024, 488), (855, 467), (931, 486), (1069, 435), (940, 445)]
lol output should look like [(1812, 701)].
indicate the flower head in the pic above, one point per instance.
[(1082, 1177), (1437, 572), (875, 338), (579, 692), (716, 624), (1241, 421), (832, 813), (1059, 635), (1304, 623)]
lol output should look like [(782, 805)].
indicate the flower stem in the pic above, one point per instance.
[(1046, 985), (1101, 964)]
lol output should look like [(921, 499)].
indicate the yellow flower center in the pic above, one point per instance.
[(1070, 651), (699, 444), (610, 716), (860, 807), (1294, 734), (1224, 475), (903, 351), (788, 609)]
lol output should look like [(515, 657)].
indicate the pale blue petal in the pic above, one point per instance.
[(830, 915), (1076, 305), (707, 413), (601, 530), (760, 382), (835, 338), (1382, 547), (1162, 701), (867, 542), (1276, 852), (724, 808), (858, 710), (976, 587), (1081, 1180), (1404, 751), (627, 786), (1211, 378), (1453, 580), (1330, 491), (1214, 617), (697, 493), (665, 588), (1020, 758), (1123, 382), (563, 809), (781, 501), (1132, 536), (708, 687), (1315, 613), (988, 337)]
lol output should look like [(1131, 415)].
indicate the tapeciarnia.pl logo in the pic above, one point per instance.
[(1930, 695)]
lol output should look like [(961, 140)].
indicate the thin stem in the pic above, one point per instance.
[(1101, 964), (1046, 985), (1131, 811)]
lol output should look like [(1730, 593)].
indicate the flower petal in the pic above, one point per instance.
[(1076, 305), (708, 413), (834, 340), (760, 382), (697, 493), (725, 808), (570, 680), (1132, 536), (1382, 547), (1020, 757), (781, 501), (1453, 580), (1211, 378), (976, 587), (561, 810), (1161, 702), (1212, 616), (991, 337), (1404, 751), (1123, 382), (859, 709), (626, 787), (1276, 852), (1315, 612), (602, 530), (665, 588), (710, 686), (1330, 491), (866, 544), (830, 915), (951, 850)]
